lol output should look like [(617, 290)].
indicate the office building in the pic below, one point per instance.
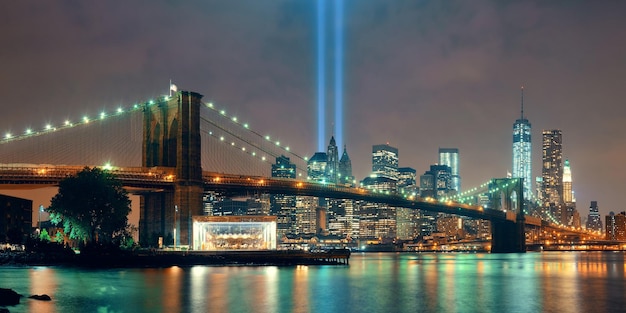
[(16, 219), (616, 226), (552, 169), (345, 169), (316, 167), (385, 161), (522, 148), (568, 193), (332, 161), (450, 157), (594, 222), (283, 206)]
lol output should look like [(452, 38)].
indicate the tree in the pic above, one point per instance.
[(44, 235), (92, 206)]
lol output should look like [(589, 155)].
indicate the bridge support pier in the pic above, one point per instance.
[(172, 139), (508, 236)]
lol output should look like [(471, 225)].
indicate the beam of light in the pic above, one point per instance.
[(321, 72), (339, 72)]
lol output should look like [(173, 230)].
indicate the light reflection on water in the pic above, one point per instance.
[(377, 282)]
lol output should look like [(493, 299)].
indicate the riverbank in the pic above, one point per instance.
[(156, 258)]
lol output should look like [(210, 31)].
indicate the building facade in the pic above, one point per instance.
[(16, 219), (385, 161), (593, 219), (450, 157), (616, 226), (552, 169)]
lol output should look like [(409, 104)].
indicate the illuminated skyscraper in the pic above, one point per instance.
[(283, 206), (593, 220), (522, 147), (332, 154), (385, 161), (450, 157), (552, 169), (568, 194), (616, 226), (345, 168)]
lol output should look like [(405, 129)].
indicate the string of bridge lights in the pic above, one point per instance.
[(67, 124), (245, 126), (121, 110)]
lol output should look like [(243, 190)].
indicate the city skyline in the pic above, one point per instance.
[(419, 76)]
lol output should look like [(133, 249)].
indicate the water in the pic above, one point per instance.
[(375, 282)]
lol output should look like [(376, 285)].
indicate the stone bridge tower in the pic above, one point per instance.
[(171, 139)]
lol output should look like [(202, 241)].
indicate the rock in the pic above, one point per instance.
[(43, 297), (4, 310), (9, 297)]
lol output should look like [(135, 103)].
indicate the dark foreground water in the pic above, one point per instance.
[(375, 282)]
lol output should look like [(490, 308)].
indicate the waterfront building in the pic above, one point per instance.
[(552, 169), (220, 233), (522, 148), (385, 161), (450, 157), (616, 226), (16, 218), (593, 219)]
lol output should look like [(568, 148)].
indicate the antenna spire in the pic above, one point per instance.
[(522, 102)]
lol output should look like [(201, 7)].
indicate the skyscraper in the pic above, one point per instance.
[(568, 194), (593, 220), (332, 154), (283, 206), (317, 167), (522, 147), (385, 161), (552, 169), (616, 226), (345, 168), (450, 157)]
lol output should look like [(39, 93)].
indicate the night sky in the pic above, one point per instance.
[(417, 74)]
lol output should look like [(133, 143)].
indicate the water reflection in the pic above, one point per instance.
[(382, 282)]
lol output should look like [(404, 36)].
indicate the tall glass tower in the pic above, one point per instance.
[(450, 157), (522, 162)]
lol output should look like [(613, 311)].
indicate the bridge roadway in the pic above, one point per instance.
[(156, 179), (32, 176)]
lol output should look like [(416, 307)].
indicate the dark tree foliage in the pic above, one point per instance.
[(92, 206)]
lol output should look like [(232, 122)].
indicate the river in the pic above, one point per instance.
[(373, 282)]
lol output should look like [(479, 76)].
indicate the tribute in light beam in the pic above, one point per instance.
[(339, 72), (321, 73)]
